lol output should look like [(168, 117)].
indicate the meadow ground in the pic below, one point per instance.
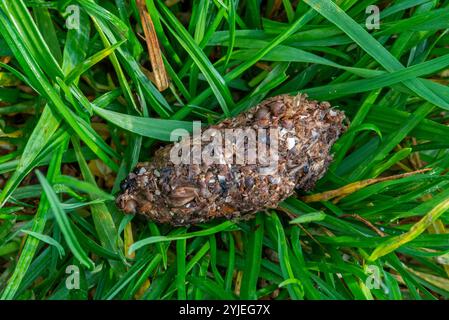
[(89, 88)]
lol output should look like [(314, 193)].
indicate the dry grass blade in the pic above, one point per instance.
[(154, 50), (355, 186), (418, 228), (274, 8), (438, 228), (439, 282), (366, 222), (129, 240)]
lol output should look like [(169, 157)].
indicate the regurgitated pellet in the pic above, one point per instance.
[(215, 183)]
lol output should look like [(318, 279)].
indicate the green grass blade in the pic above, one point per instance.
[(63, 222)]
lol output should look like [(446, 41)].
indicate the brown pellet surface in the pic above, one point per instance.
[(183, 194)]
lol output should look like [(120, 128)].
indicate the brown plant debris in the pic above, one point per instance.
[(192, 192), (154, 50), (355, 186)]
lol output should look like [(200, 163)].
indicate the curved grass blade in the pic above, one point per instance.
[(48, 240), (181, 269), (39, 221), (103, 221), (225, 226), (215, 80), (336, 15), (418, 228), (253, 259), (78, 70), (64, 223), (231, 23), (29, 63), (45, 128), (160, 129), (295, 288)]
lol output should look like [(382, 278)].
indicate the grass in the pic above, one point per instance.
[(80, 107)]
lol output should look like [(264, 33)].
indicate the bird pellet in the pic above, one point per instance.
[(237, 167)]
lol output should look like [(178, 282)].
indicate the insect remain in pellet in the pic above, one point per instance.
[(237, 167)]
